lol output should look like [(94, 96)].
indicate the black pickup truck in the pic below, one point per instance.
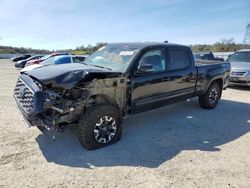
[(117, 80)]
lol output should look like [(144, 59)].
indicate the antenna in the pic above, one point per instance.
[(247, 35)]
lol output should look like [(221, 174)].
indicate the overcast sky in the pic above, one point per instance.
[(60, 24)]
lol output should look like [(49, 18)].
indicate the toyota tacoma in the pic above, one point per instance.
[(116, 81)]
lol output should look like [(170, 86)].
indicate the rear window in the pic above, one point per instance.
[(62, 60)]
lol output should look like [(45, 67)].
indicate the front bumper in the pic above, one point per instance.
[(240, 78), (42, 108), (29, 97), (46, 129), (240, 81)]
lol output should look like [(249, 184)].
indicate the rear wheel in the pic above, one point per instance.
[(211, 98), (100, 126)]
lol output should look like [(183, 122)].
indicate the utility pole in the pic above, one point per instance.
[(247, 35)]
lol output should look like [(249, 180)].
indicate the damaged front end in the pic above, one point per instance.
[(51, 106), (48, 107)]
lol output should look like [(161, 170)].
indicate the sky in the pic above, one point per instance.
[(63, 24)]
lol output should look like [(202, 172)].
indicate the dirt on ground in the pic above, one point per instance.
[(181, 145)]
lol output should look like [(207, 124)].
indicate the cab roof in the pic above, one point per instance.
[(244, 50), (142, 45)]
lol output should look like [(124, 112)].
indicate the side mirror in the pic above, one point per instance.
[(145, 69)]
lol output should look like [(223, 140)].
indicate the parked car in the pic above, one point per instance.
[(37, 61), (21, 57), (116, 81), (207, 56), (240, 64), (56, 60), (21, 63)]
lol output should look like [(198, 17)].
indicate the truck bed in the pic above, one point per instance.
[(201, 62), (207, 69)]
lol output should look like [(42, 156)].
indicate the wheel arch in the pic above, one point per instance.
[(217, 80)]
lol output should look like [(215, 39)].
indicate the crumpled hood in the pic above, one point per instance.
[(240, 66), (67, 75)]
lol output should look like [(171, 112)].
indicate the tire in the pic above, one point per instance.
[(211, 98), (92, 133)]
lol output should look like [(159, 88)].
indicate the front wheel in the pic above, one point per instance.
[(211, 98), (100, 126)]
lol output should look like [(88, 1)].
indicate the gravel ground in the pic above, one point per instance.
[(181, 145)]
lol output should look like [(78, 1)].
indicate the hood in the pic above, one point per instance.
[(67, 75), (240, 66)]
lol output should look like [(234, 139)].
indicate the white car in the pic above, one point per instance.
[(240, 68)]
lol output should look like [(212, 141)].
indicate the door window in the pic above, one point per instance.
[(179, 59), (155, 58)]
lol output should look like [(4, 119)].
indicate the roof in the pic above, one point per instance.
[(202, 53), (244, 50), (144, 44)]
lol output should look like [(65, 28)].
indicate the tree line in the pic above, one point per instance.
[(78, 50), (225, 45), (21, 50)]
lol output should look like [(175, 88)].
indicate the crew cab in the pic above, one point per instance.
[(116, 81)]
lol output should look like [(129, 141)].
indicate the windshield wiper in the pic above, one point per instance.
[(102, 67), (96, 66), (82, 62)]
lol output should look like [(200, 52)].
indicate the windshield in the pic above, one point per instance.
[(48, 61), (112, 57), (240, 57), (45, 57)]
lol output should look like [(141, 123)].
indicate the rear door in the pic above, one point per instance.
[(181, 72)]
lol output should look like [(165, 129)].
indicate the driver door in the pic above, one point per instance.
[(149, 88)]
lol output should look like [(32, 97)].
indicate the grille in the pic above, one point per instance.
[(24, 95), (238, 73)]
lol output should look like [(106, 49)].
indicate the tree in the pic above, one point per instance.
[(227, 41)]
